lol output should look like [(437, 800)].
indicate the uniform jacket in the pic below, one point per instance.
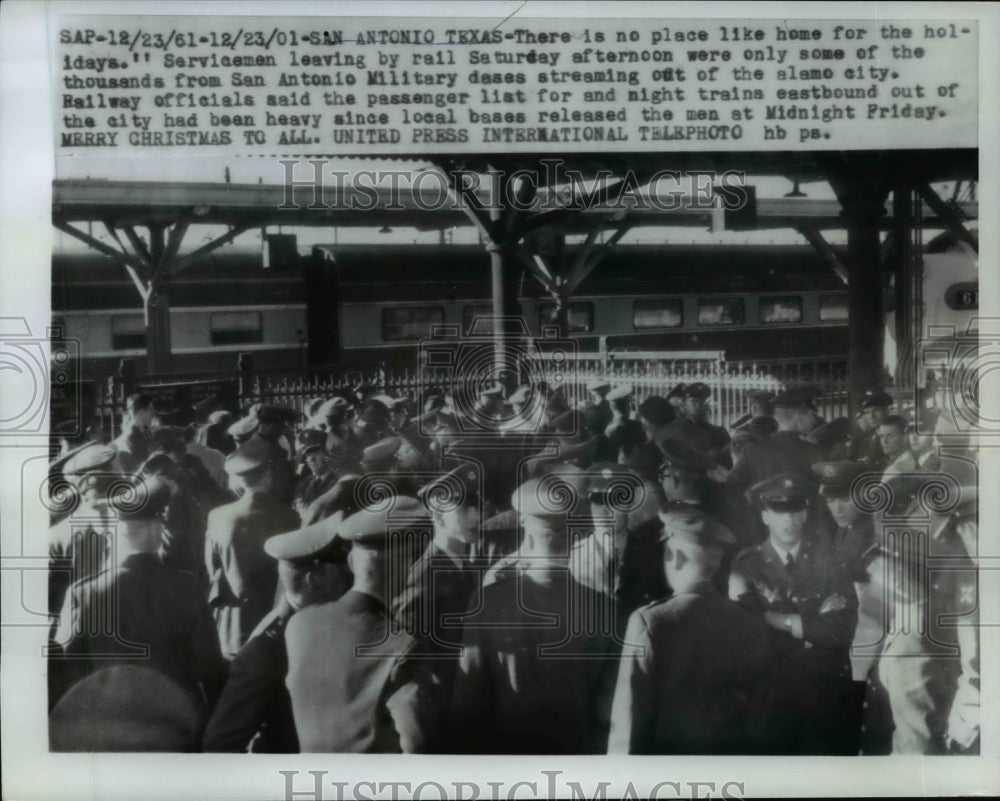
[(353, 683), (528, 684), (254, 712), (160, 620), (810, 676), (690, 674), (243, 577), (867, 449), (78, 549), (782, 452), (133, 449)]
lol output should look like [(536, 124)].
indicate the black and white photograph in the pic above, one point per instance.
[(539, 399)]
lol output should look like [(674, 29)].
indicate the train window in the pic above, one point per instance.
[(410, 322), (963, 296), (581, 316), (128, 332), (481, 311), (658, 313), (832, 308), (784, 309), (720, 311), (236, 328)]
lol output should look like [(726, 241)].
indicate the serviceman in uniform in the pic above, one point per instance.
[(922, 445), (865, 446), (254, 712), (833, 438), (901, 464), (929, 665), (761, 405), (597, 392), (693, 666), (538, 662), (243, 577), (855, 545), (622, 557), (79, 544), (694, 429), (133, 443), (623, 432), (655, 414), (785, 451), (352, 676), (321, 476), (808, 603), (274, 431), (137, 611), (441, 584)]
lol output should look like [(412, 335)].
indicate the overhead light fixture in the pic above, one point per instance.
[(796, 192)]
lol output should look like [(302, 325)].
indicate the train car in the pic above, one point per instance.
[(221, 306), (751, 303)]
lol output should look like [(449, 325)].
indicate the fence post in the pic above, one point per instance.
[(244, 363)]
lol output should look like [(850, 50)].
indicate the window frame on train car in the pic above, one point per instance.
[(795, 300), (734, 301), (547, 306), (824, 300), (667, 304), (238, 334), (469, 318), (128, 340), (437, 311)]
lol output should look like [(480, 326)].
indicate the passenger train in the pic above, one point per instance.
[(362, 305)]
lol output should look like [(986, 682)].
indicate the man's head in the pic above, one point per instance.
[(761, 403), (312, 562), (655, 413), (455, 504), (836, 479), (693, 545), (249, 468), (921, 431), (695, 400), (783, 501), (139, 505), (543, 506), (140, 409), (795, 410), (597, 390), (875, 403), (614, 492), (892, 436), (682, 471)]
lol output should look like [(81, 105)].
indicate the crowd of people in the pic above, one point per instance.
[(498, 572)]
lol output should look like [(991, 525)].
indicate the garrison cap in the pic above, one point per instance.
[(621, 391), (694, 525), (598, 385), (139, 499), (796, 398), (838, 428), (785, 492), (553, 495), (329, 408), (251, 455), (680, 454), (657, 410), (699, 390), (677, 392), (311, 440), (368, 527), (90, 457), (220, 416), (615, 486), (243, 427), (836, 478), (875, 397), (319, 541), (382, 453), (455, 489)]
